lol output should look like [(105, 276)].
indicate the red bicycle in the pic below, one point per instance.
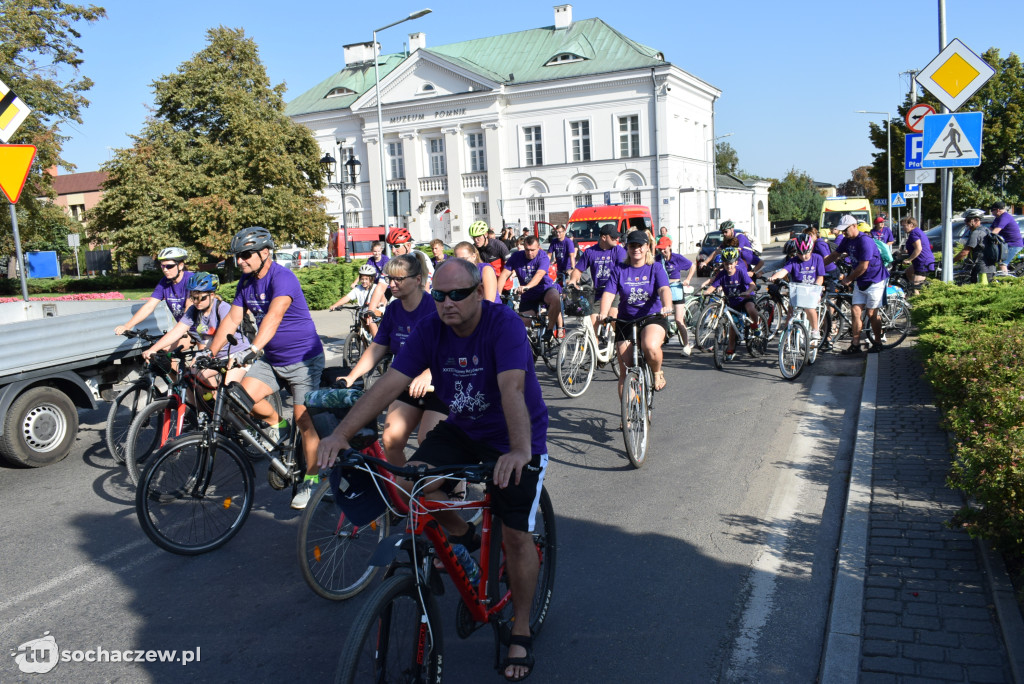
[(398, 634)]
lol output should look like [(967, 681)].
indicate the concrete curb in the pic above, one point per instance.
[(1007, 611), (841, 660)]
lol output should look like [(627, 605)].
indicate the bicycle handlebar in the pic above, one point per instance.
[(472, 472), (143, 335), (642, 320)]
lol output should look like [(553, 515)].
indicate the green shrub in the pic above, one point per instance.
[(972, 338), (322, 284)]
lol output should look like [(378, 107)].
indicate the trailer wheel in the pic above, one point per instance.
[(40, 428)]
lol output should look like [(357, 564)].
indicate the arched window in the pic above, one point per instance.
[(340, 91), (563, 58)]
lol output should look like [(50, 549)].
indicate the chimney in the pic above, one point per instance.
[(563, 16), (357, 53), (417, 41)]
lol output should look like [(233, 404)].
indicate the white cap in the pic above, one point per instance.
[(847, 220)]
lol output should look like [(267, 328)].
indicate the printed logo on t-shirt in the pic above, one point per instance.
[(462, 362), (465, 401)]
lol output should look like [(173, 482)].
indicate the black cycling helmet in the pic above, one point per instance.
[(253, 237), (727, 225), (973, 213), (789, 249)]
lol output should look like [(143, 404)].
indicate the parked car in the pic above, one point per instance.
[(286, 259), (797, 229), (707, 245), (961, 233), (318, 256)]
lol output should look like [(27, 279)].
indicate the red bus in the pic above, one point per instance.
[(360, 239)]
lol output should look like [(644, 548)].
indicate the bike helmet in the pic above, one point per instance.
[(368, 270), (789, 249), (203, 282), (727, 225), (803, 245), (173, 253), (973, 213), (478, 228), (730, 255), (399, 236), (253, 237)]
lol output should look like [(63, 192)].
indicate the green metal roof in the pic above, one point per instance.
[(522, 54)]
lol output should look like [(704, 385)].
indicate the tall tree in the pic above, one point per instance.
[(794, 198), (40, 60), (217, 155), (860, 184), (726, 158)]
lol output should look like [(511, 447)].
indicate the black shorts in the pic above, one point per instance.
[(516, 505), (624, 331), (428, 402)]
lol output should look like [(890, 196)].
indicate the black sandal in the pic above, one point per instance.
[(524, 661), (851, 350)]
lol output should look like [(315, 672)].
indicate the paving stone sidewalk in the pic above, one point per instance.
[(928, 615)]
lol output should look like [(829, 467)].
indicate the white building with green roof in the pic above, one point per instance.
[(523, 127)]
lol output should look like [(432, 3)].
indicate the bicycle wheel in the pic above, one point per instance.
[(841, 324), (793, 350), (150, 430), (895, 323), (692, 315), (772, 312), (576, 363), (354, 346), (720, 343), (122, 412), (635, 419), (706, 327), (545, 540), (395, 637), (334, 555), (757, 344), (193, 498)]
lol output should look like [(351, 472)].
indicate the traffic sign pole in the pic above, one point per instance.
[(17, 253)]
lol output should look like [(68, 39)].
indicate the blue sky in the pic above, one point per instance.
[(792, 72)]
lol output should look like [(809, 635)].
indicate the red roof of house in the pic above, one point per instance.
[(89, 181)]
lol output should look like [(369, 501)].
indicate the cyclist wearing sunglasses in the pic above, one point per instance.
[(415, 408), (530, 266), (482, 366), (286, 348), (172, 288)]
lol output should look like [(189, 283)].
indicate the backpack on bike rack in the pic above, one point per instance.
[(994, 249)]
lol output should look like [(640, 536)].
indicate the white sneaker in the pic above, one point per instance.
[(303, 493), (687, 350)]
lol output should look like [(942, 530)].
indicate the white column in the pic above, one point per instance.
[(453, 152), (373, 178), (492, 151), (419, 223)]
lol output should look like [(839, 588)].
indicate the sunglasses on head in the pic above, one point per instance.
[(246, 255), (456, 295)]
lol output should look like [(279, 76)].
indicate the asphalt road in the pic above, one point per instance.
[(712, 563)]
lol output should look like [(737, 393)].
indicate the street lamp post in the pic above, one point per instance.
[(714, 173), (380, 117), (329, 165), (888, 159)]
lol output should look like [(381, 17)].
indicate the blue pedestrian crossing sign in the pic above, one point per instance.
[(898, 200), (952, 140)]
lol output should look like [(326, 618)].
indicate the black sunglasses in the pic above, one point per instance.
[(169, 266), (455, 295), (246, 255)]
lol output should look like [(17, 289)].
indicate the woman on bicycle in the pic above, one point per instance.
[(204, 314), (489, 279), (359, 294), (643, 290), (416, 406), (919, 253), (680, 271), (739, 289), (804, 266), (400, 240)]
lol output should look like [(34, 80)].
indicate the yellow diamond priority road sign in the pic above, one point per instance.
[(12, 112), (955, 75)]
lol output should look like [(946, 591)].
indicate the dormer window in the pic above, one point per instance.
[(427, 89), (563, 58), (339, 92)]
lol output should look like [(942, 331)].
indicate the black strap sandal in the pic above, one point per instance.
[(524, 661), (851, 350)]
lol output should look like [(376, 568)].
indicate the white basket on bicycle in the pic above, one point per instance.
[(804, 295)]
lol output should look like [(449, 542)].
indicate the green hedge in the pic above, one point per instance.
[(323, 284), (110, 283), (972, 340)]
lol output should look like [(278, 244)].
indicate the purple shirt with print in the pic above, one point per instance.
[(883, 234), (396, 324), (734, 286), (525, 269), (206, 324), (801, 271), (863, 248), (676, 266), (296, 339), (925, 261), (560, 250), (600, 262), (175, 294), (637, 287), (465, 371)]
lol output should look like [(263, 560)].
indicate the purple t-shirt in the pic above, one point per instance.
[(296, 338), (749, 257), (883, 233), (743, 240), (863, 248), (801, 271), (481, 268), (677, 266), (925, 261), (175, 294), (637, 287), (525, 269), (1008, 229), (465, 371), (560, 251), (821, 248), (735, 286), (378, 266), (600, 262), (206, 324), (396, 324)]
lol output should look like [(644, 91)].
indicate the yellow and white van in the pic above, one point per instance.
[(834, 208)]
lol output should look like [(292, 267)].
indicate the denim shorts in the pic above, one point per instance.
[(300, 378)]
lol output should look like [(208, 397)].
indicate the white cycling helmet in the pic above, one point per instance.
[(173, 253), (367, 270)]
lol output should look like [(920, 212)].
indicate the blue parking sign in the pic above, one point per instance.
[(915, 151)]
